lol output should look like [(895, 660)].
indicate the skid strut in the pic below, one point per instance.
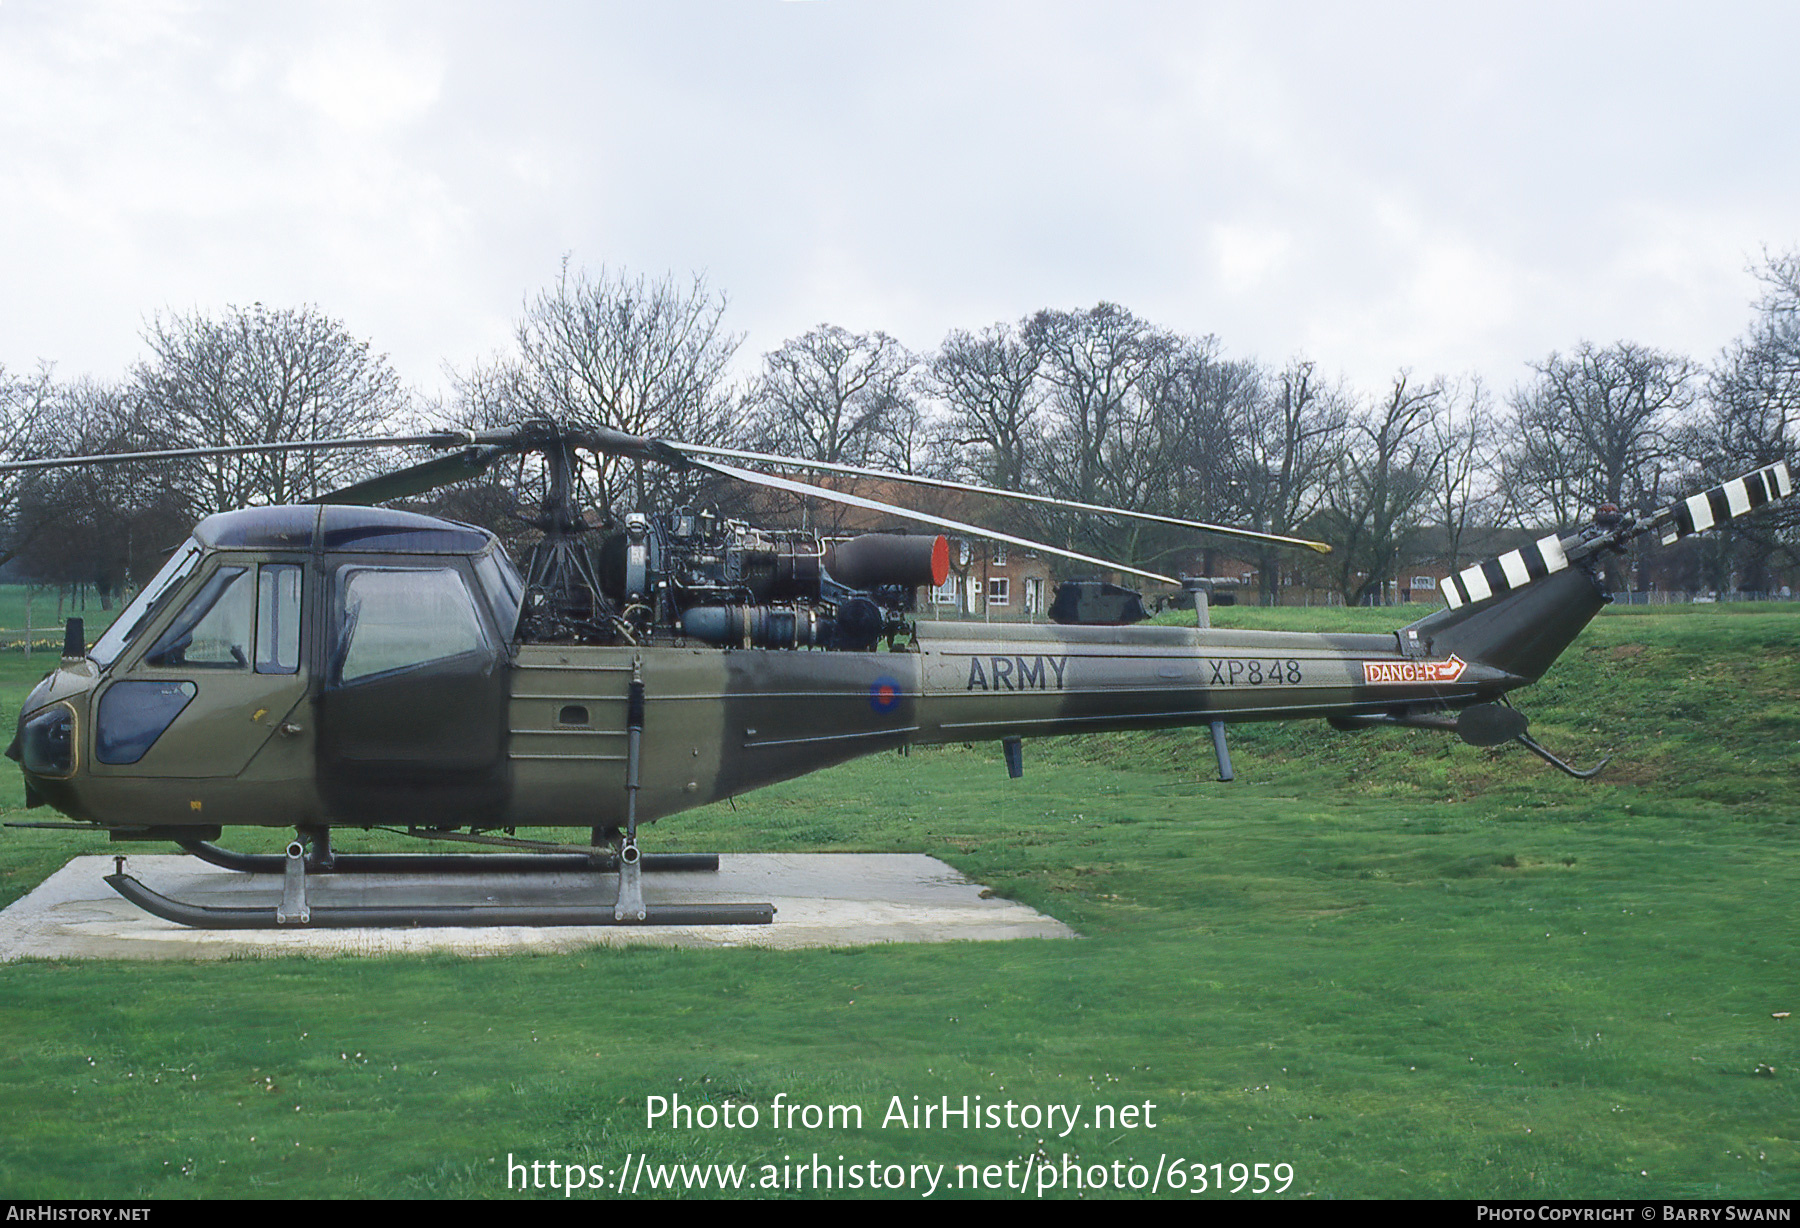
[(293, 909), (300, 909), (630, 905)]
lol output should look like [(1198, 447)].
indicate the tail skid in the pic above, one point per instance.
[(1531, 744), (1478, 725)]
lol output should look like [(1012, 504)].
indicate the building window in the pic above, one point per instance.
[(998, 592), (945, 594), (1424, 583), (999, 554), (964, 553)]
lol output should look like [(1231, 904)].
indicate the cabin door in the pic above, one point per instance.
[(223, 682), (412, 711)]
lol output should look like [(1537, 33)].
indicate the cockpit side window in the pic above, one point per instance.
[(214, 630), (393, 618), (278, 618)]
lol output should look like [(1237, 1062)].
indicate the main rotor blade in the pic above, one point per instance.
[(942, 522), (417, 479), (439, 440), (1217, 530), (535, 435)]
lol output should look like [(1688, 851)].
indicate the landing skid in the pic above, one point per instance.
[(444, 863), (299, 910), (317, 916)]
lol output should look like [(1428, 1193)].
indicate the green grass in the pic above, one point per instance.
[(46, 628), (1404, 966)]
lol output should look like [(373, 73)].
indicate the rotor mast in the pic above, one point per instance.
[(561, 571)]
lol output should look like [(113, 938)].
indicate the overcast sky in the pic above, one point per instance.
[(1451, 189)]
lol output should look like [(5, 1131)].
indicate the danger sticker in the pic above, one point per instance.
[(1379, 673)]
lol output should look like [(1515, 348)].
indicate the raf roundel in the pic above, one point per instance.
[(884, 694)]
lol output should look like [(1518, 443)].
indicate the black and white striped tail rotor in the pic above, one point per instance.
[(1514, 569), (1726, 501), (1517, 568)]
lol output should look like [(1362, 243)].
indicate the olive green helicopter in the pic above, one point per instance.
[(337, 664)]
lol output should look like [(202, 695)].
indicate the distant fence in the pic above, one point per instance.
[(44, 639), (1698, 598), (928, 612), (34, 615), (1653, 598)]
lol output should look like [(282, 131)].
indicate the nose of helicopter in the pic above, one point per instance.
[(45, 738)]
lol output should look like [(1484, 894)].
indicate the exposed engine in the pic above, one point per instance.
[(694, 576)]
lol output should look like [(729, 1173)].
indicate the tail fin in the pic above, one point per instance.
[(1519, 612), (1520, 629)]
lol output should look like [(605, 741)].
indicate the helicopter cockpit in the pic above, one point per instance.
[(393, 627)]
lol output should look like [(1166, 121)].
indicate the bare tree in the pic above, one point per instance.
[(645, 357), (25, 411), (1380, 492), (1100, 364), (988, 384), (261, 375), (1103, 441), (1465, 487), (833, 395), (842, 397), (1294, 436), (1753, 394), (488, 395), (1175, 446), (103, 525), (1751, 418), (24, 403), (1204, 403), (1595, 428), (918, 441)]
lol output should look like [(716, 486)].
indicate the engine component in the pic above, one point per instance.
[(880, 560), (728, 583)]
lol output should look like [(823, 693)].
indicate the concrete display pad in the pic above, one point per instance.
[(821, 900)]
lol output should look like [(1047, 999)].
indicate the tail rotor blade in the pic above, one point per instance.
[(1511, 570), (1726, 501)]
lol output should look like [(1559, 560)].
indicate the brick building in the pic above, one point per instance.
[(991, 581)]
